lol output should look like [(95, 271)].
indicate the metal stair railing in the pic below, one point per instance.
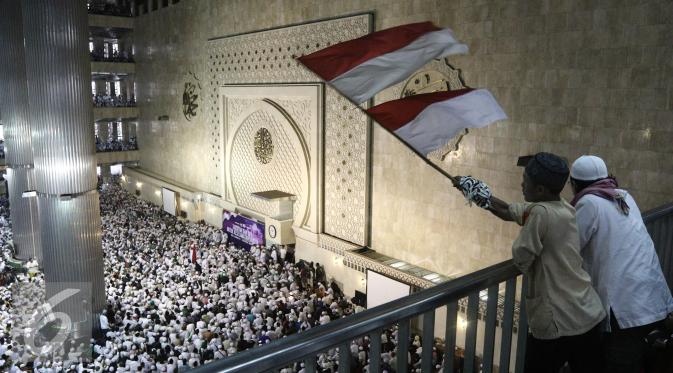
[(659, 223), (304, 347)]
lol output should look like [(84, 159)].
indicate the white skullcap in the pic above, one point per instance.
[(588, 168)]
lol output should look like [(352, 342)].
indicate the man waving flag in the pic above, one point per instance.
[(362, 67)]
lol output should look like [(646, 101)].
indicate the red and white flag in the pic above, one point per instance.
[(428, 121), (360, 68)]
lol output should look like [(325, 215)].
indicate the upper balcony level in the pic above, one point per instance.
[(122, 8), (112, 157), (112, 114), (117, 24), (112, 68), (117, 157)]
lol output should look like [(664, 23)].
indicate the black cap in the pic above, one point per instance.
[(549, 170)]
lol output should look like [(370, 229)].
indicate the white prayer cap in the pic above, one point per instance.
[(588, 168)]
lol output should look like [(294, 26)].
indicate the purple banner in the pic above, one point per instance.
[(242, 231)]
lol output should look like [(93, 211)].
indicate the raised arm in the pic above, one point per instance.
[(500, 209), (497, 207)]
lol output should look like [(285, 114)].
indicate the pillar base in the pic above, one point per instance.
[(24, 214)]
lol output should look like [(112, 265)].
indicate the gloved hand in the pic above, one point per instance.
[(474, 190)]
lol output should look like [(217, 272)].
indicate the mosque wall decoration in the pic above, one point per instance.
[(190, 97)]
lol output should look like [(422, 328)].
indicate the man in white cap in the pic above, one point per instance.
[(619, 255)]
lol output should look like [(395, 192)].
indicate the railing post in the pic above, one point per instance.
[(522, 332), (507, 325), (345, 357), (450, 336), (403, 346), (471, 332), (375, 351), (489, 331), (428, 341), (309, 364)]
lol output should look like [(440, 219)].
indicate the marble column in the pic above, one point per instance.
[(59, 86), (105, 172), (107, 129), (127, 87), (133, 130), (101, 87), (114, 130), (103, 131), (19, 150), (125, 131), (98, 46)]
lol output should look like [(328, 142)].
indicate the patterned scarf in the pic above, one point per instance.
[(604, 188)]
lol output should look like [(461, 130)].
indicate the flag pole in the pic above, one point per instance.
[(425, 159)]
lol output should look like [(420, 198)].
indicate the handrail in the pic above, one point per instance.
[(657, 213), (303, 345), (319, 339), (659, 224)]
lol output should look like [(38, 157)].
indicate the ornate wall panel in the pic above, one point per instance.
[(263, 152), (268, 57), (273, 133)]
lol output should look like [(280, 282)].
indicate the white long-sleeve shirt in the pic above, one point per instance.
[(620, 258), (104, 324)]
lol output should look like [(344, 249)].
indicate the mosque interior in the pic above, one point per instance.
[(168, 126)]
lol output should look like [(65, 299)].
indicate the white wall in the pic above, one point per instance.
[(150, 190)]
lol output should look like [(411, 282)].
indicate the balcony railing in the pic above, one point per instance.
[(304, 347), (659, 223)]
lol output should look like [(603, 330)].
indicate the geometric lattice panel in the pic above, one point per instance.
[(268, 57), (344, 157), (285, 169)]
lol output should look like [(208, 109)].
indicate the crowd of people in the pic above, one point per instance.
[(179, 296), (11, 350), (110, 8), (115, 145), (105, 100)]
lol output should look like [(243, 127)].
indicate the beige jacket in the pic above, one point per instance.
[(560, 300)]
